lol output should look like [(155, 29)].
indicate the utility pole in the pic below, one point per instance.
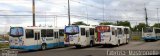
[(146, 17), (69, 13), (158, 17), (33, 11), (103, 10), (87, 15)]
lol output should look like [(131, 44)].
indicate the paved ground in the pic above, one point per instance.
[(94, 51)]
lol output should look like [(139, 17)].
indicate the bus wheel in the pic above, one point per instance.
[(127, 41), (118, 44), (43, 47), (91, 44), (78, 46)]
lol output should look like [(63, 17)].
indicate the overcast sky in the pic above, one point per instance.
[(95, 10)]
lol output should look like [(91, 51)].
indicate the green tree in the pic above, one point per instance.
[(123, 23), (156, 25), (79, 23), (106, 23), (135, 28), (140, 26)]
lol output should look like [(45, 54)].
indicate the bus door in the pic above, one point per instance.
[(88, 37), (61, 37), (37, 39), (56, 35), (83, 36), (120, 34), (113, 36), (126, 34)]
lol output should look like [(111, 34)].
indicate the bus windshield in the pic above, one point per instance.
[(103, 29), (16, 31), (71, 29), (148, 30)]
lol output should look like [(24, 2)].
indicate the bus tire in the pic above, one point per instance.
[(78, 46), (118, 44), (146, 40), (91, 43), (127, 41), (43, 47)]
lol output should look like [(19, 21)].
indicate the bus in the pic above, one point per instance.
[(150, 33), (35, 38), (113, 35), (79, 36)]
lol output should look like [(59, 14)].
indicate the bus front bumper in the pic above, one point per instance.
[(104, 43), (32, 47), (149, 38), (73, 44)]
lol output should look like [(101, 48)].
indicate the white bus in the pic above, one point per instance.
[(109, 34), (79, 36), (34, 38), (150, 33)]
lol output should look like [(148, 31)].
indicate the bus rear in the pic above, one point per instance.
[(102, 34), (148, 34), (16, 39), (72, 35)]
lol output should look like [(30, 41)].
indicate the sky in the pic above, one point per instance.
[(54, 12)]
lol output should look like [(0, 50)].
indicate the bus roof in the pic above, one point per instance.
[(42, 27), (83, 26)]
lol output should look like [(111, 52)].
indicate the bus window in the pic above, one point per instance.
[(47, 33), (116, 33), (61, 32), (55, 34), (126, 31), (148, 30), (83, 31), (87, 33), (29, 33), (43, 33), (72, 30), (113, 31), (157, 30), (16, 31), (91, 31), (119, 31)]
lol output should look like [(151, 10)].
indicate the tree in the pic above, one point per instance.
[(106, 23), (156, 25), (123, 23), (140, 26), (79, 23)]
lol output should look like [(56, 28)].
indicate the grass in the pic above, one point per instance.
[(136, 38), (4, 45)]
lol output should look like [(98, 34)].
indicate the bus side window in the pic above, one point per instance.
[(113, 31), (119, 31), (87, 33), (47, 33), (123, 31), (29, 33), (91, 31), (61, 32), (83, 31), (43, 33), (116, 33), (126, 31), (55, 34), (157, 30)]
